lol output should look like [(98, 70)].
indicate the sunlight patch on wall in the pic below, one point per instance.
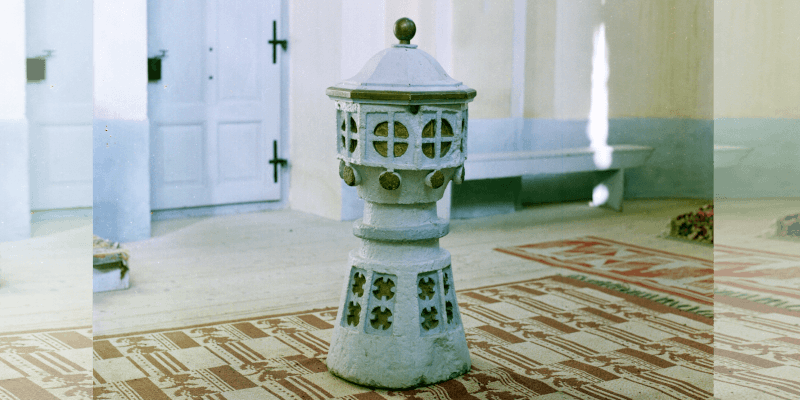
[(597, 128)]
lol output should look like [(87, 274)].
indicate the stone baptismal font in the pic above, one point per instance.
[(401, 130)]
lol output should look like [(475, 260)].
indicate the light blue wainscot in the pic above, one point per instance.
[(121, 179)]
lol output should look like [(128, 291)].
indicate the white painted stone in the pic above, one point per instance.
[(398, 324), (110, 266), (110, 279)]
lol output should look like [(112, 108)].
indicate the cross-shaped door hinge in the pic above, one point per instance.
[(275, 42), (275, 161)]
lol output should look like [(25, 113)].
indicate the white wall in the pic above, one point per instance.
[(121, 133), (120, 54), (12, 64), (757, 59), (14, 183), (315, 51)]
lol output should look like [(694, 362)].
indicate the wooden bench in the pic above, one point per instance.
[(513, 164)]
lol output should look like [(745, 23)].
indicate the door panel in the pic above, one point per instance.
[(183, 165), (239, 28), (59, 108), (240, 153), (214, 114)]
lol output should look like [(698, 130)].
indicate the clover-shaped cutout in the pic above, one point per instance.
[(429, 318), (358, 284), (384, 288), (353, 312), (426, 288), (381, 318), (446, 283), (449, 311)]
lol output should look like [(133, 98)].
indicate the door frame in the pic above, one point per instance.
[(283, 146)]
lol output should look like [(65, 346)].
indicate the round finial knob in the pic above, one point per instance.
[(404, 30)]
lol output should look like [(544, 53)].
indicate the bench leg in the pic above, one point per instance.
[(443, 205), (616, 187)]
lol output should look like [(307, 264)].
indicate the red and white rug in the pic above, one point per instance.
[(542, 338), (757, 324), (685, 277), (763, 277), (589, 337)]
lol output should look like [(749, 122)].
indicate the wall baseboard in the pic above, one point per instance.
[(64, 213), (771, 169), (210, 211)]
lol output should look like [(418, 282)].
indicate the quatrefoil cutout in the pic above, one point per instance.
[(353, 312), (446, 283), (381, 318), (358, 284), (429, 318), (427, 288), (449, 311), (384, 288)]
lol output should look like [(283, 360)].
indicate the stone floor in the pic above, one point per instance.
[(45, 281), (53, 226), (206, 269)]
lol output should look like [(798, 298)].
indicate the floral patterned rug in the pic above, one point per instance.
[(549, 338), (557, 337), (757, 324), (762, 277), (688, 280), (46, 365)]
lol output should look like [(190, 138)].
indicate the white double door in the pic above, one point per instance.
[(59, 107), (214, 114)]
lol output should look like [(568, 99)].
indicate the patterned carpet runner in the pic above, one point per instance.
[(591, 337), (756, 298), (687, 278), (762, 277)]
